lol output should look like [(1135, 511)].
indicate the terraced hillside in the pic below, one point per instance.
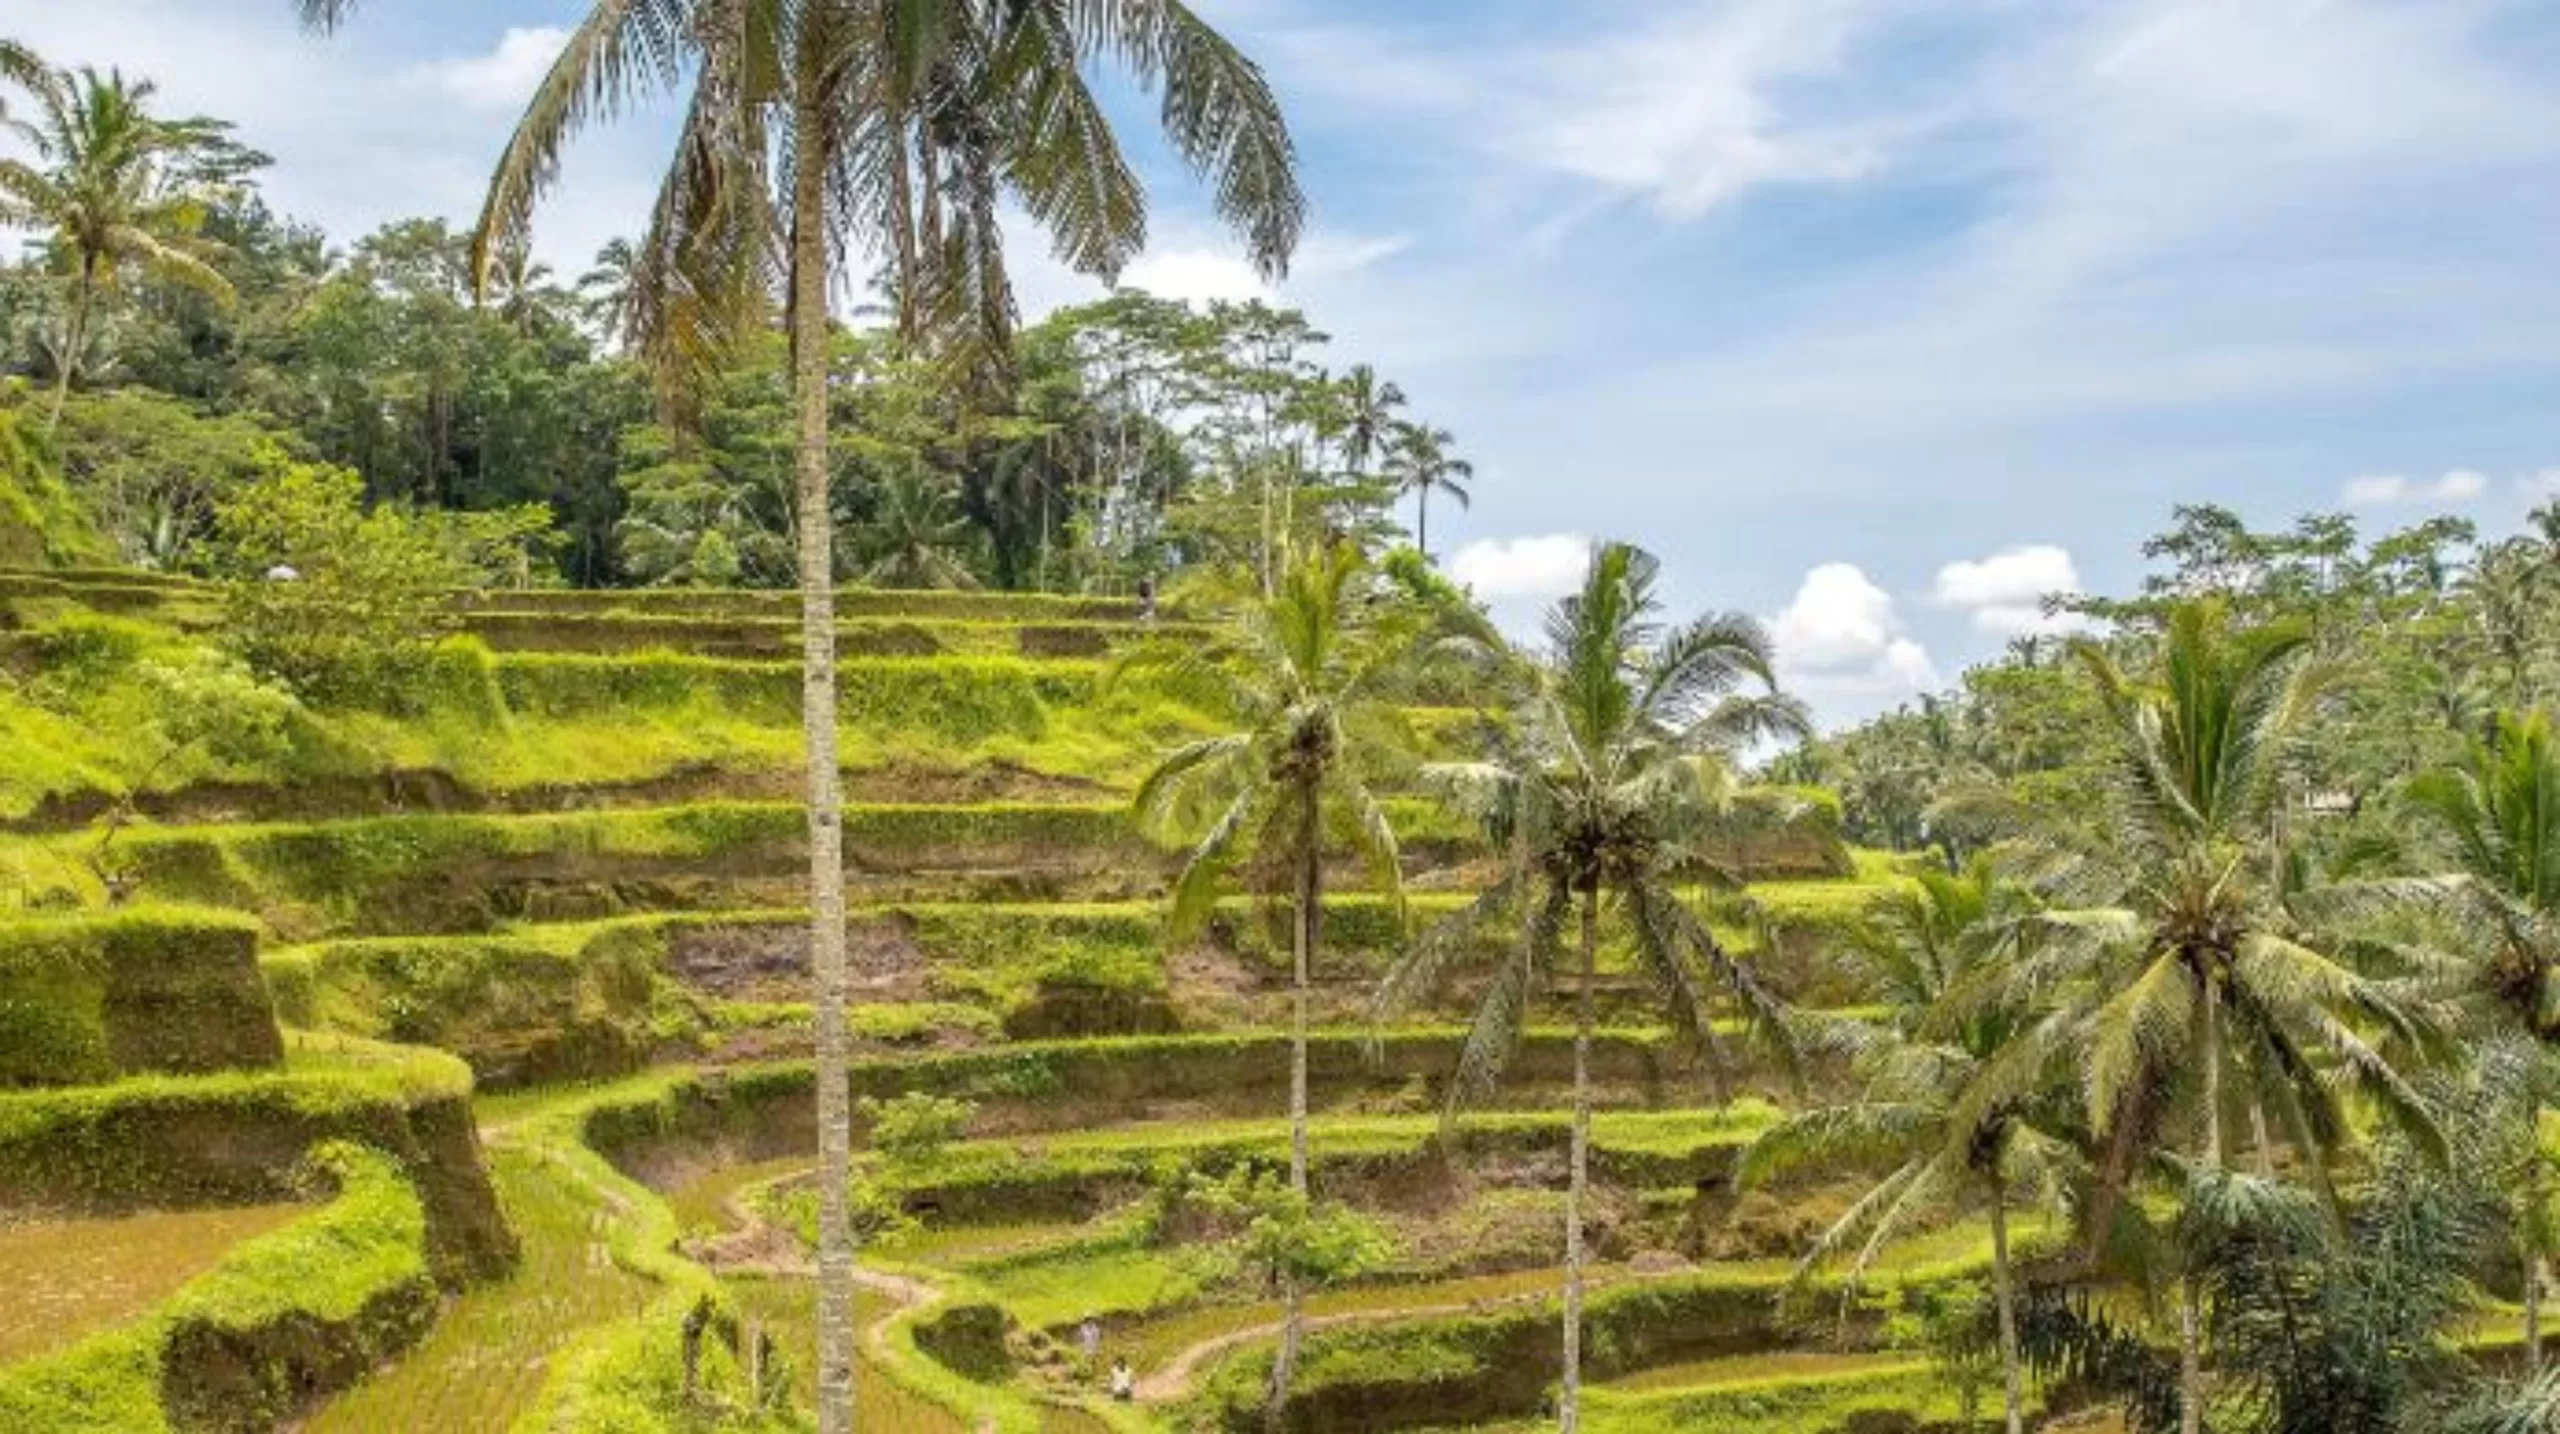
[(562, 879)]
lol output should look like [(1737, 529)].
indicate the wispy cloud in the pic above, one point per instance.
[(500, 78), (2390, 490)]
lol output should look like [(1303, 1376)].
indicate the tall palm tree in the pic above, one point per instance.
[(895, 127), (1612, 791), (2496, 819), (1420, 461), (520, 284), (1918, 956), (1369, 406), (604, 291), (1308, 676), (2182, 949), (115, 186)]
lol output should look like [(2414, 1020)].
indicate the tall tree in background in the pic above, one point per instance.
[(113, 186), (1308, 677), (1613, 791), (1369, 408), (2496, 819), (1420, 461), (2185, 945), (896, 128)]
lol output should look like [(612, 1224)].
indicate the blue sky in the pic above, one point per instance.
[(1875, 317)]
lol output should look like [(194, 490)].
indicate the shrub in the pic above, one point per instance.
[(369, 592), (912, 1130)]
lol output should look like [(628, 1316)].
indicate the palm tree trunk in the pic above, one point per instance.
[(1422, 522), (2191, 1297), (808, 321), (1578, 1180), (1265, 468), (2003, 1289), (83, 296), (2261, 1140), (1306, 929)]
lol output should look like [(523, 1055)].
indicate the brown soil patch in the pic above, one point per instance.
[(770, 962)]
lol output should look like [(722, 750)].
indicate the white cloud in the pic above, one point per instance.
[(2540, 487), (1686, 112), (1547, 566), (2005, 592), (1195, 276), (2391, 490), (504, 77), (1205, 271), (1840, 637)]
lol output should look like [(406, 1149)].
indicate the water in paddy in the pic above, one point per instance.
[(62, 1280), (484, 1362)]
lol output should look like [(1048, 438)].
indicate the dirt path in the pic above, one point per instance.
[(756, 1247)]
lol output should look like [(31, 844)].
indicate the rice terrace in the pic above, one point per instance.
[(854, 820)]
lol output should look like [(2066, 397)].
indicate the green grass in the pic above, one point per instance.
[(1761, 1368), (322, 1075)]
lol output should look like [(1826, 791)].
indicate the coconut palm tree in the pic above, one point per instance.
[(2496, 820), (1926, 944), (2180, 951), (1307, 676), (115, 187), (1369, 406), (520, 285), (22, 67), (1612, 791), (820, 128), (1419, 460), (915, 536), (604, 291)]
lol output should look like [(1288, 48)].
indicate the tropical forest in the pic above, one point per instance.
[(753, 832)]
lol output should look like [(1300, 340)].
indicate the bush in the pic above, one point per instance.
[(369, 594), (912, 1130)]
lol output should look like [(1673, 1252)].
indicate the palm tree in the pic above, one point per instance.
[(1611, 792), (2183, 954), (604, 291), (1368, 415), (1308, 676), (2497, 820), (115, 186), (1418, 458), (914, 536), (898, 129), (520, 284), (1924, 947), (22, 67)]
